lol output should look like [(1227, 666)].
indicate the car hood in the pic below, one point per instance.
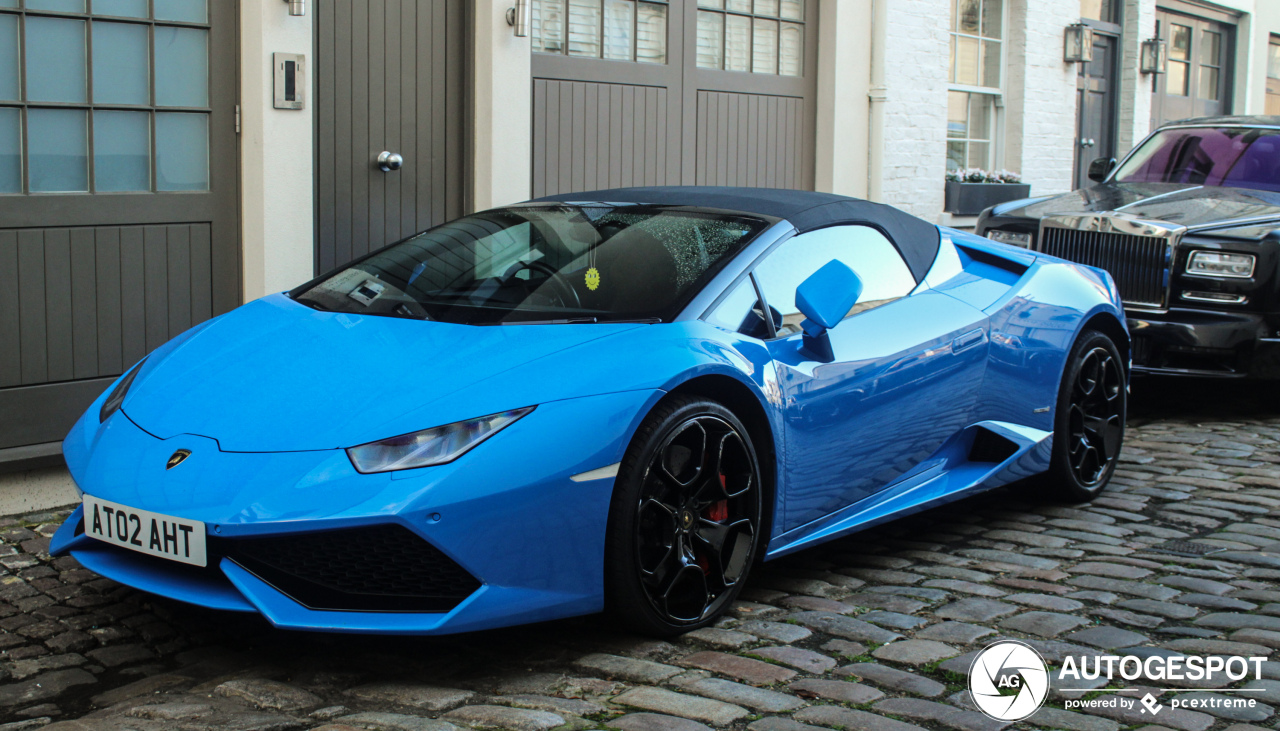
[(277, 376), (1192, 206)]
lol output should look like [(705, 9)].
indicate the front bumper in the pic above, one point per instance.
[(1207, 343), (506, 515)]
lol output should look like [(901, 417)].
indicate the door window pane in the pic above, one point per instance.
[(9, 60), (55, 60), (791, 50), (548, 26), (59, 6), (740, 6), (124, 8), (120, 63), (1180, 44), (710, 40), (121, 151), (58, 150), (8, 3), (1211, 48), (793, 9), (767, 7), (1097, 10), (10, 150), (711, 3), (1208, 82), (190, 11), (182, 67), (737, 43), (584, 28), (1176, 84), (764, 51), (618, 23), (867, 252), (651, 33), (182, 151)]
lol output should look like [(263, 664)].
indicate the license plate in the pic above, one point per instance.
[(155, 534)]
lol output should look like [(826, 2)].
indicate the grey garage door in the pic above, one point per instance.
[(118, 189), (709, 92), (389, 77), (1199, 78)]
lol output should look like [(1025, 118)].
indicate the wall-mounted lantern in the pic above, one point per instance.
[(1155, 56), (297, 7), (1078, 44), (518, 17)]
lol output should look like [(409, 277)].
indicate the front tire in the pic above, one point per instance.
[(1089, 420), (685, 520)]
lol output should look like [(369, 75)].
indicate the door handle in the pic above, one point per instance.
[(388, 161), (968, 340)]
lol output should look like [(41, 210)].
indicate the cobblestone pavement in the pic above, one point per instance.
[(872, 632)]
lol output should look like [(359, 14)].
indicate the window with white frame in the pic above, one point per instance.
[(757, 36), (976, 81), (617, 30)]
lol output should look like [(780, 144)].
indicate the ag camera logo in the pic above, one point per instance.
[(1008, 681)]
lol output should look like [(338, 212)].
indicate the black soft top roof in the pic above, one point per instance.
[(917, 240)]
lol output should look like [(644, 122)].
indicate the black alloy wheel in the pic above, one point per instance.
[(686, 518), (1089, 425)]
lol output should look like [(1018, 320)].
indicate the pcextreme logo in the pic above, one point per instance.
[(1008, 681)]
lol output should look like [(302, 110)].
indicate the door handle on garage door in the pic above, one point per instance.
[(388, 161), (968, 340)]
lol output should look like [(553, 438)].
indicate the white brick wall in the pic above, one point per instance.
[(915, 107), (1040, 95), (1134, 114)]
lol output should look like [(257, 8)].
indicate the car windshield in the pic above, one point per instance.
[(547, 264), (1226, 156)]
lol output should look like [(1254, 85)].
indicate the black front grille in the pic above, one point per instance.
[(374, 568), (1138, 264)]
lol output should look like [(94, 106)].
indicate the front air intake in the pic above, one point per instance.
[(381, 568)]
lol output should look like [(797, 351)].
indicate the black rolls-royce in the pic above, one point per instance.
[(1188, 225)]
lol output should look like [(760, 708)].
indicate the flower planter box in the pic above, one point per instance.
[(970, 199)]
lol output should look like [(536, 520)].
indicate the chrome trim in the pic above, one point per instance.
[(1186, 269), (599, 473), (1234, 222), (1116, 222), (1205, 297)]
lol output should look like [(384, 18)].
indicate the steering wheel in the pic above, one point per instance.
[(552, 275)]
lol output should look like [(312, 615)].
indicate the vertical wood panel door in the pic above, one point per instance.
[(1096, 106), (1198, 81), (118, 197), (658, 92), (390, 76)]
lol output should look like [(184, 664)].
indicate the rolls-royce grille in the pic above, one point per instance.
[(1139, 264)]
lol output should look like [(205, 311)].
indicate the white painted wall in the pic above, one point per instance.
[(276, 153), (844, 65), (503, 115), (1134, 113)]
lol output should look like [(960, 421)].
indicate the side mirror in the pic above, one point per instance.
[(824, 299), (1099, 169)]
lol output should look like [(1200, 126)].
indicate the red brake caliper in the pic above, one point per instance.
[(716, 512)]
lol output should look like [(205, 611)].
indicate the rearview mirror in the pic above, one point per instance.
[(826, 297), (1099, 169)]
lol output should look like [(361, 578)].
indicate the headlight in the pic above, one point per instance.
[(437, 445), (114, 401), (1219, 264), (1012, 238)]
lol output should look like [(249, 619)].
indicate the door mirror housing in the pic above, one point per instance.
[(1099, 169), (824, 299)]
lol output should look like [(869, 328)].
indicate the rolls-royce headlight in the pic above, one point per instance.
[(1221, 264), (1013, 238), (436, 445)]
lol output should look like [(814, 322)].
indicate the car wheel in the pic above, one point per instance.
[(1089, 422), (685, 520)]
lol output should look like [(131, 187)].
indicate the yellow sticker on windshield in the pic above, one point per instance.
[(593, 279)]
